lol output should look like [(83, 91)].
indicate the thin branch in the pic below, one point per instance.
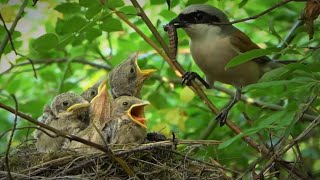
[(260, 104), (260, 14), (13, 26), (11, 136), (14, 49), (289, 37)]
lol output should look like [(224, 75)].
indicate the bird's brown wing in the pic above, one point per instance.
[(244, 44)]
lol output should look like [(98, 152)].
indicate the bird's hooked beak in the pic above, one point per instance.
[(78, 106), (142, 72), (178, 23), (136, 113)]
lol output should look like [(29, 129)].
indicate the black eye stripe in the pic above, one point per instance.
[(198, 17)]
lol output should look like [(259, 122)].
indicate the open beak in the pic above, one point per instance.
[(101, 89), (136, 113), (144, 72), (78, 106), (178, 23)]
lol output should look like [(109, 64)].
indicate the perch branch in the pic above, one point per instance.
[(105, 149)]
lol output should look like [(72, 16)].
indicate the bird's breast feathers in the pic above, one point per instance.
[(213, 53)]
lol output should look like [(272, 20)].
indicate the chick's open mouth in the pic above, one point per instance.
[(136, 113)]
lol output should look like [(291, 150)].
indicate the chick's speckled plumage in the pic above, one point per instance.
[(68, 112), (127, 79)]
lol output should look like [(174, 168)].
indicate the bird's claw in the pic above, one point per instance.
[(188, 77), (222, 117)]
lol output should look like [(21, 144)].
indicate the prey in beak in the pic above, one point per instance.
[(136, 113)]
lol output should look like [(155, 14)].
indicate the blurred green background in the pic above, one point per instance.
[(74, 43)]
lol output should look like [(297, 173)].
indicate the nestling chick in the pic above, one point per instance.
[(127, 79), (68, 112), (127, 123), (100, 112), (91, 92)]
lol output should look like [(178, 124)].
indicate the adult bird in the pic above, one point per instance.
[(213, 43), (127, 123), (68, 112), (127, 78)]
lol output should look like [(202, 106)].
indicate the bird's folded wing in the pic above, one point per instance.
[(242, 42)]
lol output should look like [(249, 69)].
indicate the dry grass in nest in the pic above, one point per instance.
[(153, 162)]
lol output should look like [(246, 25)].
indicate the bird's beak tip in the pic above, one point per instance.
[(176, 23), (78, 106), (147, 72)]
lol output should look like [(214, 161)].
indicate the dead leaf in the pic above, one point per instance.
[(311, 12)]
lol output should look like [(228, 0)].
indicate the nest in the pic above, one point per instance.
[(161, 162)]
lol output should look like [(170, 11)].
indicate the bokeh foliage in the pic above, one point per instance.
[(62, 37)]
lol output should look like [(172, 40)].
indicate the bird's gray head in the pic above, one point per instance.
[(199, 18), (67, 102)]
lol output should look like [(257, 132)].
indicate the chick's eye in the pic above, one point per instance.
[(65, 103), (125, 103), (131, 70), (198, 16), (92, 93)]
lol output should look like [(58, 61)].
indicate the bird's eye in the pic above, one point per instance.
[(131, 70), (198, 16), (125, 103), (65, 103), (92, 93)]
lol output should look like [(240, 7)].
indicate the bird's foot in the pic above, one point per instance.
[(188, 77), (222, 117)]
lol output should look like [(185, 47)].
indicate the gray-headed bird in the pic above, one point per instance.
[(127, 78), (213, 43), (68, 112), (127, 123)]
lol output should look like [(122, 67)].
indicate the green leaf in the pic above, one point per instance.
[(243, 3), (247, 56), (168, 15), (237, 137), (45, 42), (275, 74), (92, 33), (274, 32), (128, 10), (115, 3), (92, 11), (111, 25), (196, 2), (74, 24), (87, 3), (271, 118), (263, 85), (68, 8)]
